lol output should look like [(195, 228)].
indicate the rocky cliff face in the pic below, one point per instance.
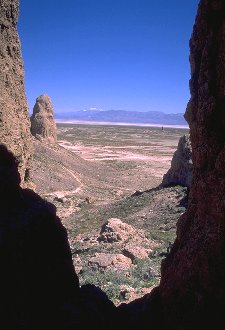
[(191, 294), (193, 276), (180, 172), (43, 125), (14, 120), (39, 287)]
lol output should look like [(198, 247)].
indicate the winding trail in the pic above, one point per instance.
[(64, 193)]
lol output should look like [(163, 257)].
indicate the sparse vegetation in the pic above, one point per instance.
[(112, 281), (107, 166)]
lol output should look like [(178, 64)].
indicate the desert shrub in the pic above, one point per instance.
[(163, 236), (141, 276), (111, 281)]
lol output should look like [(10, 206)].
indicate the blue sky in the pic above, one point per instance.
[(108, 54)]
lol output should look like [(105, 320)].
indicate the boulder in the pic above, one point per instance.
[(109, 261), (114, 230), (135, 252)]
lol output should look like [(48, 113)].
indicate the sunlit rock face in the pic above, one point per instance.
[(43, 125), (180, 172), (14, 120), (193, 276)]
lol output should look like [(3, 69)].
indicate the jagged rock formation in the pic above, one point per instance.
[(14, 120), (180, 172), (196, 263), (38, 284), (43, 125), (191, 294)]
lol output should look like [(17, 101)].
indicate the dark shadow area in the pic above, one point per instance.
[(139, 193), (39, 287), (184, 201)]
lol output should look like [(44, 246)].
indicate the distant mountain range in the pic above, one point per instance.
[(122, 116)]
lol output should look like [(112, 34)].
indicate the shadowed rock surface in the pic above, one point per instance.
[(35, 255), (39, 287), (43, 125), (191, 294), (196, 263), (14, 120), (38, 284), (180, 172)]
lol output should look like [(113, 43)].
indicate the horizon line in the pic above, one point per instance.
[(108, 123), (101, 110)]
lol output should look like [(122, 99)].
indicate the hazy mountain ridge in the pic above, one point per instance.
[(150, 117)]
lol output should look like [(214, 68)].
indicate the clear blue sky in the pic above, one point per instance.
[(108, 54)]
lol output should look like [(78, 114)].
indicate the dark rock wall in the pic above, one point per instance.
[(14, 120), (39, 288), (193, 276), (38, 284)]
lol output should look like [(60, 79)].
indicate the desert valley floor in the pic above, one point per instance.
[(99, 172)]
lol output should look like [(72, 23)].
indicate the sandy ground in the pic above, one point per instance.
[(137, 156), (102, 164)]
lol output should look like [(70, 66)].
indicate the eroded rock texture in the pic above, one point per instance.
[(180, 172), (14, 120), (43, 125), (193, 276), (191, 294), (39, 287)]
